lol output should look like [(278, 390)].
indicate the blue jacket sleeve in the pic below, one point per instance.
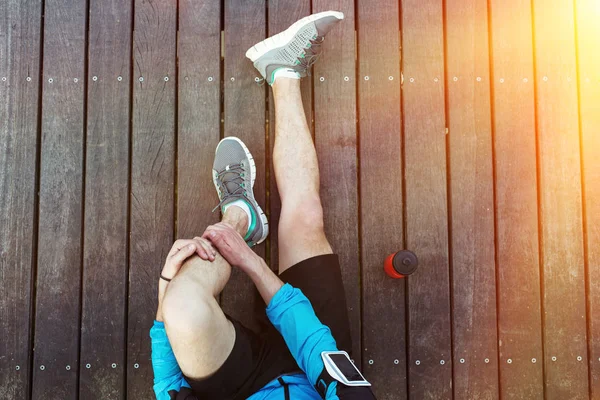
[(167, 374), (293, 316)]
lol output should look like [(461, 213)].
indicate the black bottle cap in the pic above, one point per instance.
[(405, 262)]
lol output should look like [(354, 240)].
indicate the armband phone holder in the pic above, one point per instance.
[(339, 366)]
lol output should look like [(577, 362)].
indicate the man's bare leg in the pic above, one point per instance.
[(201, 336), (301, 231)]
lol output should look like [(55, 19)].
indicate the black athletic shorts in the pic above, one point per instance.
[(259, 357)]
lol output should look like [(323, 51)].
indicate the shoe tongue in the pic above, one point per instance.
[(232, 181)]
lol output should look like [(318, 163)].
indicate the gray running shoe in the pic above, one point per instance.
[(296, 48), (234, 173)]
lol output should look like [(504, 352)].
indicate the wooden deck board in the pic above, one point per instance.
[(20, 28), (492, 178), (152, 178), (588, 39), (559, 172), (429, 324), (106, 231), (471, 192), (58, 313), (384, 308)]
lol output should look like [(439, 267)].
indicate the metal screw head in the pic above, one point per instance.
[(68, 367), (346, 78), (545, 79), (3, 79), (525, 80), (391, 78), (50, 80), (17, 367), (501, 80), (88, 366), (75, 80), (141, 79), (462, 360), (371, 362), (396, 362), (136, 365), (166, 79), (509, 361), (478, 79), (455, 78), (411, 80), (553, 358), (232, 79), (322, 79), (114, 365), (533, 360), (28, 79), (418, 362), (487, 360), (442, 362), (42, 367), (119, 78), (434, 79), (579, 358), (366, 78), (94, 78), (257, 79)]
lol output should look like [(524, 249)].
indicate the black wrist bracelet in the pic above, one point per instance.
[(166, 279)]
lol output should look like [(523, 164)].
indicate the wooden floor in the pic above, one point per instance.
[(467, 131)]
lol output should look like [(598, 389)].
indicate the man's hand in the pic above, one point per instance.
[(232, 247)]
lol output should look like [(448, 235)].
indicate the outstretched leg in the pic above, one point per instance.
[(301, 232)]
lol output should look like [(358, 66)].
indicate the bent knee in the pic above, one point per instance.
[(304, 216), (186, 307)]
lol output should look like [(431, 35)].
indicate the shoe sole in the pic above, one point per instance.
[(281, 39), (263, 217)]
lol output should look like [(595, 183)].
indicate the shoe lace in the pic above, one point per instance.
[(236, 178), (311, 55)]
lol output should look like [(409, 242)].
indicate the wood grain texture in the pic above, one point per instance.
[(199, 114), (559, 172), (57, 316), (19, 109), (245, 118), (105, 240), (152, 178), (429, 328), (588, 40), (518, 274), (335, 140), (282, 14), (471, 201), (383, 318)]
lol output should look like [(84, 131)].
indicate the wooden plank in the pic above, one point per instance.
[(198, 114), (518, 274), (588, 40), (57, 318), (105, 239), (561, 250), (245, 22), (282, 14), (429, 328), (471, 201), (152, 178), (384, 330), (335, 139), (19, 105)]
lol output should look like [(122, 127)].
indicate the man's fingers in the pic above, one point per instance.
[(183, 254)]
